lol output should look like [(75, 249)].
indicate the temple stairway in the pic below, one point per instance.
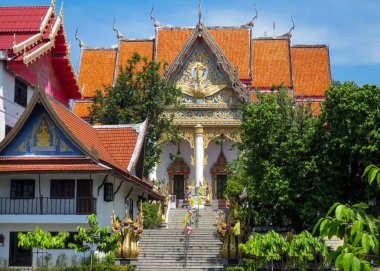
[(163, 249)]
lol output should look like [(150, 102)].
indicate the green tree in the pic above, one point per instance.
[(303, 248), (94, 237), (265, 247), (348, 139), (277, 164), (41, 240), (140, 92)]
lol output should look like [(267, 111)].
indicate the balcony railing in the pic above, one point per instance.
[(48, 206)]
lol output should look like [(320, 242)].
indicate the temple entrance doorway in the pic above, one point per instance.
[(221, 183), (179, 186)]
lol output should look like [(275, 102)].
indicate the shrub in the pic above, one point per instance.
[(152, 217), (235, 268)]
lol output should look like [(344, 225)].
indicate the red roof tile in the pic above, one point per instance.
[(85, 133), (21, 19), (311, 70), (48, 164), (119, 142), (270, 63)]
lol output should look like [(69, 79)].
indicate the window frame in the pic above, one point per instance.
[(14, 194), (61, 183), (20, 93)]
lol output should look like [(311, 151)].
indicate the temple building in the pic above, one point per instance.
[(32, 48), (218, 69), (56, 169)]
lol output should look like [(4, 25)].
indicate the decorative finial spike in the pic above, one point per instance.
[(53, 4), (155, 22), (289, 34), (118, 34), (251, 22), (14, 39), (61, 11), (200, 12), (81, 43)]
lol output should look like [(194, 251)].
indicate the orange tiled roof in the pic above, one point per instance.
[(170, 42), (270, 63), (82, 108), (311, 70), (235, 45), (96, 68), (119, 142), (233, 42), (129, 47)]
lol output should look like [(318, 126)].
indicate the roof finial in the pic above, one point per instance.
[(53, 4), (118, 34), (14, 39), (251, 22), (155, 22), (200, 12), (81, 43), (289, 34), (61, 11)]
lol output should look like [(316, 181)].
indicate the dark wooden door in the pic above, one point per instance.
[(221, 183), (179, 186), (17, 255), (85, 202)]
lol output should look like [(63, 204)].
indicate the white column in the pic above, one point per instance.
[(199, 154)]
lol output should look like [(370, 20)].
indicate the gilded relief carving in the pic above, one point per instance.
[(200, 77)]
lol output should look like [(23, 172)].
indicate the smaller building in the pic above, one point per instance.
[(56, 169), (33, 48)]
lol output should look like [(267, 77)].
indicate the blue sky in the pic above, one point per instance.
[(350, 28)]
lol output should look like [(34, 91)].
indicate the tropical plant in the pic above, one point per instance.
[(303, 248), (94, 237), (41, 240), (152, 215), (140, 93), (265, 247), (359, 232)]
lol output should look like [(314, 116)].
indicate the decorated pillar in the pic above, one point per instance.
[(199, 154)]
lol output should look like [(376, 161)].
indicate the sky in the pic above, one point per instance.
[(350, 28)]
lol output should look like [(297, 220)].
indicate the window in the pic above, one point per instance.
[(108, 192), (21, 92), (22, 189), (7, 129), (62, 188)]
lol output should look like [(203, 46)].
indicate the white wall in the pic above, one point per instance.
[(211, 153), (9, 111), (66, 223)]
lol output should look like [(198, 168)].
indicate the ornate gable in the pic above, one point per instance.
[(200, 65), (41, 136), (200, 76)]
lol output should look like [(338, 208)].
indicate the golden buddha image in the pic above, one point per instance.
[(199, 85), (43, 136)]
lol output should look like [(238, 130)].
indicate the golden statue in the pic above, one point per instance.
[(129, 236), (43, 136), (199, 85)]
